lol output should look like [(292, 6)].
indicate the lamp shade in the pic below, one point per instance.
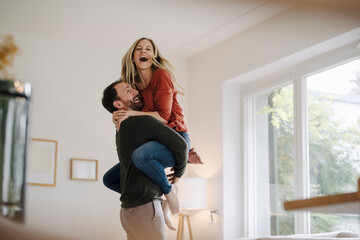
[(192, 193)]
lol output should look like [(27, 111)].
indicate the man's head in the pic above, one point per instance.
[(120, 95)]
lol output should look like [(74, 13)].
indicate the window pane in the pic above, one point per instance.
[(334, 139), (274, 161)]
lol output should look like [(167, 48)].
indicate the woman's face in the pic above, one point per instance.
[(143, 54)]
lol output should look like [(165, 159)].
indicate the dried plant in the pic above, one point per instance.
[(8, 50)]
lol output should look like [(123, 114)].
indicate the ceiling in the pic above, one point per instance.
[(180, 28)]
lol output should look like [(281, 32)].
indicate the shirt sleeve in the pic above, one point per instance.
[(141, 129), (164, 94)]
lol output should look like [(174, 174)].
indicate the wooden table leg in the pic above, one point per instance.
[(189, 225), (180, 227)]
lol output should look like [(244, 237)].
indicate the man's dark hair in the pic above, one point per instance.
[(109, 96)]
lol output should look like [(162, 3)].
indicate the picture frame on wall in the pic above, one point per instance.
[(42, 162), (83, 169)]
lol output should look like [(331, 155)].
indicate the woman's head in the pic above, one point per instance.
[(143, 54)]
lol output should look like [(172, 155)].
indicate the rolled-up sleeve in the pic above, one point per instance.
[(164, 95)]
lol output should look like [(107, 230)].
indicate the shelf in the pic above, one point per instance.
[(348, 203)]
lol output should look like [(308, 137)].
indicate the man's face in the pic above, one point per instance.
[(129, 97)]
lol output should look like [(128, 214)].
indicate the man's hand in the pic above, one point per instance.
[(171, 177), (194, 158)]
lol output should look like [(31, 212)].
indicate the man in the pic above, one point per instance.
[(141, 212)]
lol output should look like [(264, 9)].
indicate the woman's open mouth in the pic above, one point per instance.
[(143, 59)]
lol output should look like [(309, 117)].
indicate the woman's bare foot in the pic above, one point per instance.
[(194, 157)]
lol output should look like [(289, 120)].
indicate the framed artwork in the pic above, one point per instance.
[(42, 160), (84, 169)]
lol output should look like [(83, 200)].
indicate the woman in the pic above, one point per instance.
[(144, 68)]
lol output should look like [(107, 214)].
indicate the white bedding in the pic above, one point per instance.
[(320, 236)]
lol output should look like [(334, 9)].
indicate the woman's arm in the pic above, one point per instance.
[(163, 94), (163, 98), (121, 115)]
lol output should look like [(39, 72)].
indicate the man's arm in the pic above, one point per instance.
[(141, 129)]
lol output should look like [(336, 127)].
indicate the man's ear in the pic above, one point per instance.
[(118, 104)]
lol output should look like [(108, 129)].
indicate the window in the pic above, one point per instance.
[(326, 133), (333, 107), (274, 159)]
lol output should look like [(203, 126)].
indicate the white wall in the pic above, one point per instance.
[(213, 95), (67, 81)]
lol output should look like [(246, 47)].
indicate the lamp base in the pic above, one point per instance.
[(181, 226)]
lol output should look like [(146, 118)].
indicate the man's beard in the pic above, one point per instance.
[(135, 105)]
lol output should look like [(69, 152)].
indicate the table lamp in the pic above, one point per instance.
[(192, 196)]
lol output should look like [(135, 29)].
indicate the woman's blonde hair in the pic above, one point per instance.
[(130, 74)]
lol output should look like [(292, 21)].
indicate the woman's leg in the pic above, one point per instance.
[(111, 178), (152, 158)]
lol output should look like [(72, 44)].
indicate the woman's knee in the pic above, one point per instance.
[(138, 157)]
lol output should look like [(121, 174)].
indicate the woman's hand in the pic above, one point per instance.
[(120, 115)]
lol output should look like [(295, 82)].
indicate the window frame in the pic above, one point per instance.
[(296, 76)]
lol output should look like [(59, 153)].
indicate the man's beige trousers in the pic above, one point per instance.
[(144, 222)]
